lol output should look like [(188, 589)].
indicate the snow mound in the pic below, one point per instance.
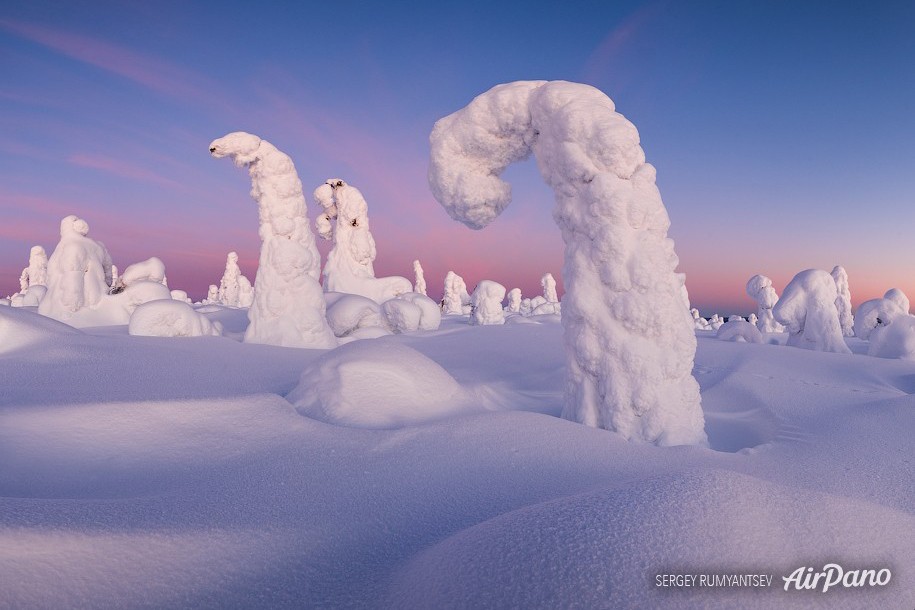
[(347, 313), (739, 330), (896, 340), (21, 328), (377, 384), (171, 319), (430, 313)]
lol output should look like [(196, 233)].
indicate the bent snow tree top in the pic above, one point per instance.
[(629, 340)]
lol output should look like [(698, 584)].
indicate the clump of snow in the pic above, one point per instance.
[(843, 300), (377, 384), (547, 309), (548, 283), (21, 328), (456, 300), (736, 318), (759, 288), (79, 272), (629, 341), (31, 297), (411, 312), (514, 301), (171, 319), (808, 311), (288, 308), (486, 303), (715, 322), (875, 313), (420, 284), (896, 340), (181, 295), (150, 270), (753, 319), (897, 296), (698, 321), (347, 313), (36, 274), (349, 267), (739, 330), (431, 313), (212, 297), (525, 309)]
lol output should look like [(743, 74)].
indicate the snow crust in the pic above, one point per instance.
[(808, 311), (629, 341), (288, 308)]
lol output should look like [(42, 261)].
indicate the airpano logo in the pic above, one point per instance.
[(833, 576)]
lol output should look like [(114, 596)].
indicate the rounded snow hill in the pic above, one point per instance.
[(22, 328), (377, 384)]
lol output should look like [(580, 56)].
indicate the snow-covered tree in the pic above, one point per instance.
[(808, 311), (420, 286), (36, 274), (349, 267), (699, 322), (486, 303), (629, 341), (877, 313), (150, 270), (514, 301), (759, 288), (843, 301), (288, 307), (456, 300), (548, 283), (235, 289), (897, 296)]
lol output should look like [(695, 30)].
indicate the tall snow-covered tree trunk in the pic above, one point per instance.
[(629, 341)]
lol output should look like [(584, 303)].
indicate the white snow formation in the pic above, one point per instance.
[(486, 303), (288, 308), (36, 274), (514, 301), (629, 341), (715, 322), (698, 321), (739, 330), (420, 284), (843, 301), (30, 298), (181, 295), (808, 311), (349, 265), (897, 296), (896, 340), (171, 319), (736, 318), (235, 289), (431, 313), (212, 297), (753, 319), (456, 300), (548, 283), (411, 312), (150, 270), (525, 308), (348, 313), (875, 313), (759, 288), (377, 384), (79, 272)]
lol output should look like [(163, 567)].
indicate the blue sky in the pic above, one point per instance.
[(782, 132)]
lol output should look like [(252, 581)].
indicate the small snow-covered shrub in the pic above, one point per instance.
[(150, 270), (808, 311), (739, 330), (170, 319), (431, 317)]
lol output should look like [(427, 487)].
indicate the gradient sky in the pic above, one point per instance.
[(783, 132)]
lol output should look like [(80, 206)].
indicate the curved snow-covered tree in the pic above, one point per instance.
[(288, 307), (629, 341), (808, 311), (420, 286), (456, 301), (548, 283), (79, 272), (486, 303), (349, 267), (759, 288), (843, 301)]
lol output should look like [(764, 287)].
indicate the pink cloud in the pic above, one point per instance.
[(121, 168)]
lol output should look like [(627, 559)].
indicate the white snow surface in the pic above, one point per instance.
[(288, 308), (171, 319), (152, 472), (629, 340), (843, 300), (808, 311)]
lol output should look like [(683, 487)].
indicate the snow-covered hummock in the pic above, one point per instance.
[(456, 300), (514, 301), (21, 328), (349, 267), (420, 284), (79, 272), (896, 340), (171, 319), (30, 298), (410, 312), (843, 300), (235, 289), (288, 308), (36, 274), (699, 322), (875, 313), (759, 288), (548, 283), (739, 330), (486, 303), (808, 311), (629, 341), (150, 270)]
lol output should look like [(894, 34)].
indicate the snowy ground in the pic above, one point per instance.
[(146, 472)]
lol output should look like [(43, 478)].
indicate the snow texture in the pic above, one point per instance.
[(739, 330), (548, 283), (456, 300), (420, 284), (349, 267), (875, 313), (288, 308), (525, 309), (759, 288), (843, 300), (629, 341), (181, 295), (486, 303), (377, 384), (514, 301), (79, 272), (171, 319), (808, 311)]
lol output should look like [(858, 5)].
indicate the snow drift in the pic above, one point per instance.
[(630, 342)]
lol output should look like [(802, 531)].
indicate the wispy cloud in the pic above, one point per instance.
[(121, 169), (598, 65)]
